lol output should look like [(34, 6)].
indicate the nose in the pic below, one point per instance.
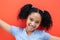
[(32, 23)]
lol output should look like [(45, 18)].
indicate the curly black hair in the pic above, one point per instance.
[(27, 9)]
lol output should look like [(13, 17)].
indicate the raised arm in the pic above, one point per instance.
[(54, 38), (4, 25)]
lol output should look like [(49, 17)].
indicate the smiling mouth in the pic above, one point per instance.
[(31, 26)]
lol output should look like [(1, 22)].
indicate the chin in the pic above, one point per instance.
[(31, 29)]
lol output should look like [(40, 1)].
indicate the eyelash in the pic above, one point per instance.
[(32, 20), (36, 22)]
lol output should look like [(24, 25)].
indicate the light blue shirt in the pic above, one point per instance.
[(20, 34)]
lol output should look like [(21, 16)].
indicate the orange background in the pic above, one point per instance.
[(9, 10)]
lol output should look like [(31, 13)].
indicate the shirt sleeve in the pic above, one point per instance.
[(14, 30), (46, 36)]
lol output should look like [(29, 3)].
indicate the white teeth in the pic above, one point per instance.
[(31, 25)]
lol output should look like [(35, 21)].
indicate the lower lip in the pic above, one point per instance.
[(31, 27)]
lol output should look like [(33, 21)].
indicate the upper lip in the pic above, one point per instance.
[(32, 26)]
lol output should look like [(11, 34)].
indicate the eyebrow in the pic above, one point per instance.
[(31, 18), (36, 20)]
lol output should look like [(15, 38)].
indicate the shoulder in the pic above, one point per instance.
[(44, 35), (15, 30)]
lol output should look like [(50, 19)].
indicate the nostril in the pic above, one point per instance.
[(32, 26), (33, 23)]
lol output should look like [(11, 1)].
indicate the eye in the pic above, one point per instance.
[(37, 22), (31, 19)]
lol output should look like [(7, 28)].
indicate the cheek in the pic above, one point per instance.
[(37, 25), (27, 22)]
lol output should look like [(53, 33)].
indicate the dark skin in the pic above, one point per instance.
[(33, 22)]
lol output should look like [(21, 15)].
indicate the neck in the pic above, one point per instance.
[(28, 32)]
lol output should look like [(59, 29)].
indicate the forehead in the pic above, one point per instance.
[(35, 15)]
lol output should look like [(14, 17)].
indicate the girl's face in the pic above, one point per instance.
[(33, 21)]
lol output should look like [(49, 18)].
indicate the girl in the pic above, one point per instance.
[(35, 18)]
